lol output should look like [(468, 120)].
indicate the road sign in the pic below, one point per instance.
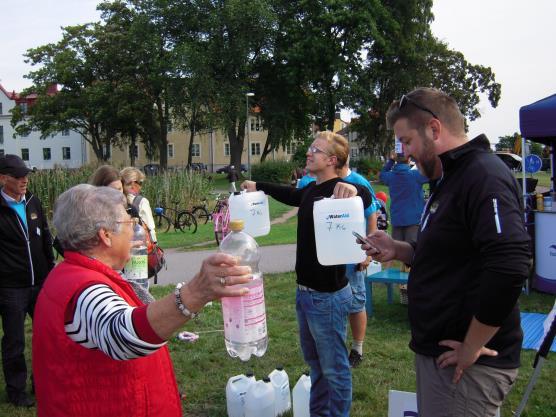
[(532, 164)]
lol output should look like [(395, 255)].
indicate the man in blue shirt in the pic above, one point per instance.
[(406, 193)]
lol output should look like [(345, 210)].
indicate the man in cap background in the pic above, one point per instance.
[(25, 260)]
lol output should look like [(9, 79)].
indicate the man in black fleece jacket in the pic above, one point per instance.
[(323, 296), (468, 265)]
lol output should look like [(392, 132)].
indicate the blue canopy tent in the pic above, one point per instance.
[(537, 123)]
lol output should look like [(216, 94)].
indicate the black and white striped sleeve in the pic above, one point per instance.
[(103, 320)]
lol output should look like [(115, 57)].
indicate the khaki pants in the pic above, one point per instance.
[(479, 393)]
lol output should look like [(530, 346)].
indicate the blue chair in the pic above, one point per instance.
[(389, 277)]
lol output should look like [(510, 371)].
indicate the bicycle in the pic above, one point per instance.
[(182, 220), (201, 212), (221, 219)]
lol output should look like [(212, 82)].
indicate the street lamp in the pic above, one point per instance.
[(247, 95)]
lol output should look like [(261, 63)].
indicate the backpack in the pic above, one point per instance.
[(155, 253), (382, 219)]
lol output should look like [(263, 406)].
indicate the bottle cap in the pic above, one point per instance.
[(280, 367), (249, 374), (236, 225), (266, 379)]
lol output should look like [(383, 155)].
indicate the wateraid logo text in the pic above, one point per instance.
[(337, 216)]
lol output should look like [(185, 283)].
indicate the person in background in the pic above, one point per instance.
[(356, 273), (232, 178), (132, 179), (468, 265), (382, 218), (97, 349), (324, 296), (406, 191), (107, 176), (25, 260)]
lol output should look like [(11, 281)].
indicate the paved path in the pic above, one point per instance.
[(182, 266)]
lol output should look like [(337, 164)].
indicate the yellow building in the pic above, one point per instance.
[(210, 147)]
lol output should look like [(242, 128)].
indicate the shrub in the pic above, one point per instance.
[(273, 171), (368, 167)]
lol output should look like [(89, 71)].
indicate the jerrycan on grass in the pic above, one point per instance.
[(236, 389), (252, 208), (259, 400), (335, 220), (281, 384), (301, 396)]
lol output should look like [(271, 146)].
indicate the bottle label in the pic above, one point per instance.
[(137, 267), (245, 317)]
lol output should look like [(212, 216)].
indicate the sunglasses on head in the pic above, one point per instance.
[(406, 99)]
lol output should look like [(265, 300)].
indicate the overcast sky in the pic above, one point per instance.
[(515, 38)]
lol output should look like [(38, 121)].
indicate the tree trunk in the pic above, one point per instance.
[(162, 112), (236, 139), (132, 145), (192, 125)]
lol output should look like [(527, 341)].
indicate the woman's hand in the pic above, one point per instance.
[(218, 274)]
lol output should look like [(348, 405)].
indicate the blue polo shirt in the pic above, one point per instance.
[(17, 206)]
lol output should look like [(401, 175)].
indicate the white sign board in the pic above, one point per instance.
[(404, 404)]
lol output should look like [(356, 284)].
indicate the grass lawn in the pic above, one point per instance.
[(203, 368)]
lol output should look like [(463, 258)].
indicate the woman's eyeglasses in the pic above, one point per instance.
[(314, 150), (405, 99)]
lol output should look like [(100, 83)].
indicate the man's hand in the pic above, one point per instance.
[(462, 356), (249, 186), (363, 265), (344, 190), (380, 246)]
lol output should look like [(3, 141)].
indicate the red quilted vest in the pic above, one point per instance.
[(71, 380)]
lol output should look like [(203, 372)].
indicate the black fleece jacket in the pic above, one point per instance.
[(472, 256), (26, 256), (307, 267)]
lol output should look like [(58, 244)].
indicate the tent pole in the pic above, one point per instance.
[(523, 184)]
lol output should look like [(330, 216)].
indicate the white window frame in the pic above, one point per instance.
[(354, 153), (136, 153), (257, 147), (65, 132), (171, 151), (290, 148), (49, 154), (28, 154), (196, 150), (64, 153), (1, 134), (227, 149), (107, 151)]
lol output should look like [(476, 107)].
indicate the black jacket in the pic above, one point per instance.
[(471, 257), (24, 261)]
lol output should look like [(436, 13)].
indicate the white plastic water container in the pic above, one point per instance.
[(335, 220), (236, 389), (281, 384), (374, 267), (252, 208), (301, 396), (259, 400)]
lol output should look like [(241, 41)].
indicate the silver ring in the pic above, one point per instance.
[(223, 281)]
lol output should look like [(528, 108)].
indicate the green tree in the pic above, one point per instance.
[(80, 105)]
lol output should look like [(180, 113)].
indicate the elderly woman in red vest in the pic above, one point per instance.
[(97, 350)]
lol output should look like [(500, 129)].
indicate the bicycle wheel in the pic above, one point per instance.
[(201, 214), (186, 222), (162, 223)]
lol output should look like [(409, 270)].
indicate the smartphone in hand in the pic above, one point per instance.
[(364, 240)]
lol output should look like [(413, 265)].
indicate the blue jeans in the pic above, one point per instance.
[(322, 319), (357, 284)]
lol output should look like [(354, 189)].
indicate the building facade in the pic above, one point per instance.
[(211, 148), (64, 149)]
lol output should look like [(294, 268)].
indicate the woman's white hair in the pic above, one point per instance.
[(81, 211)]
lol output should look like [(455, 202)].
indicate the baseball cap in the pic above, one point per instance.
[(381, 195), (13, 165)]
